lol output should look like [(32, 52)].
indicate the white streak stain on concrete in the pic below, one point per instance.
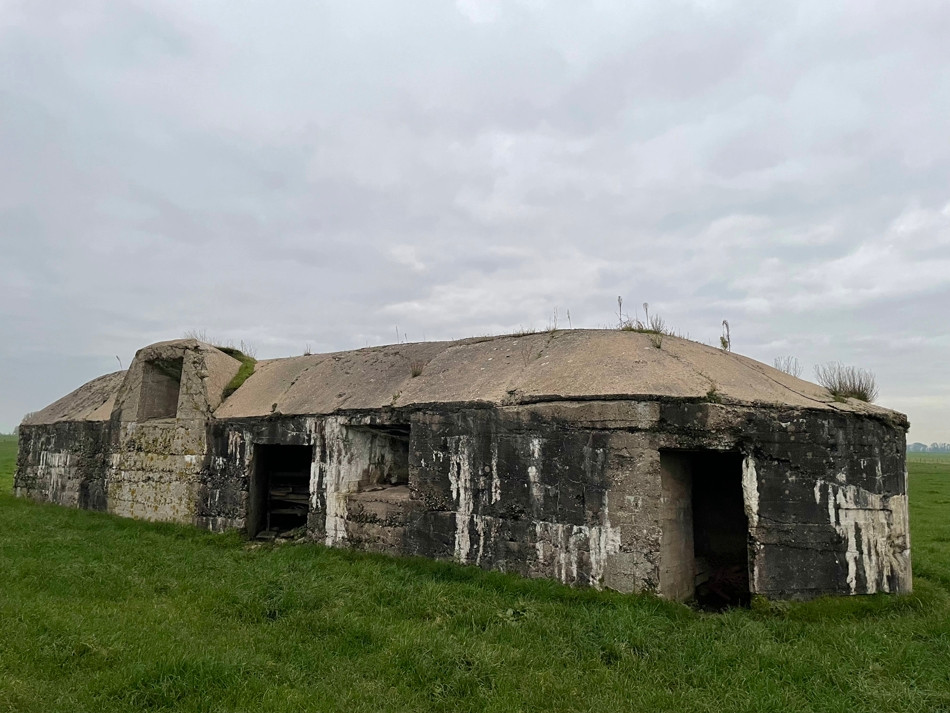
[(460, 480), (534, 481), (558, 547), (495, 480), (237, 448), (345, 466), (53, 468), (875, 530), (750, 502), (750, 491), (314, 486)]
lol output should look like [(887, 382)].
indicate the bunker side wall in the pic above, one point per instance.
[(825, 494), (512, 490), (832, 506), (64, 463), (574, 491), (154, 468), (540, 491)]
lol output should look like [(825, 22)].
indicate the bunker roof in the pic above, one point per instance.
[(92, 401), (575, 364)]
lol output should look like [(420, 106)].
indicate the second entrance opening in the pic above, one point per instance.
[(280, 492)]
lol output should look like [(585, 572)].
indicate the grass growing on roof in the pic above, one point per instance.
[(99, 613), (246, 369)]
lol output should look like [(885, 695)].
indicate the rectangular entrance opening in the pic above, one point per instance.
[(280, 489), (704, 548)]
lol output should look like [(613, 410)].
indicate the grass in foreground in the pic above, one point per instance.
[(102, 614)]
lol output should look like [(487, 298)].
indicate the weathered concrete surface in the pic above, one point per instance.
[(90, 449), (155, 464), (90, 402), (568, 365), (504, 492), (575, 491), (547, 455), (677, 560), (64, 463)]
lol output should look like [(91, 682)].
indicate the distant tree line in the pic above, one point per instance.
[(932, 448)]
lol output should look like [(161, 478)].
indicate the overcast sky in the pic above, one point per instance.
[(321, 174)]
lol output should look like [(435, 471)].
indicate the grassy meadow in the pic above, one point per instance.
[(103, 614)]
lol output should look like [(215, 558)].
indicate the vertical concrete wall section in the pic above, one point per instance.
[(677, 557), (156, 457), (64, 463), (514, 490), (828, 506)]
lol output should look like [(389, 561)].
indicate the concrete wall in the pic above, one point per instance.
[(485, 487), (828, 506), (155, 463), (572, 491), (577, 491), (65, 463), (677, 558), (825, 494), (504, 489)]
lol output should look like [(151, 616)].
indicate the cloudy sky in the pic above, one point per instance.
[(325, 174)]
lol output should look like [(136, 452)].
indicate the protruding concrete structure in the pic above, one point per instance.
[(589, 456)]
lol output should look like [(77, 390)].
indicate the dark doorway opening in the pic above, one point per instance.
[(720, 531), (706, 530), (280, 491)]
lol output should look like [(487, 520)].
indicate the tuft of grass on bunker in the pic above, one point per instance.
[(248, 364), (99, 613)]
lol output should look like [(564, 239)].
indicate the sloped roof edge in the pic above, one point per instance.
[(93, 401)]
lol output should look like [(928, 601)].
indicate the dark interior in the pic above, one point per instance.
[(720, 530), (280, 493), (397, 442)]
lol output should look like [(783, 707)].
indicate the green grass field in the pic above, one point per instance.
[(928, 459), (103, 614)]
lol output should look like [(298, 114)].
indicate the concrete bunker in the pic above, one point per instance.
[(587, 456)]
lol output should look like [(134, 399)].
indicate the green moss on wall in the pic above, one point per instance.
[(247, 368)]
